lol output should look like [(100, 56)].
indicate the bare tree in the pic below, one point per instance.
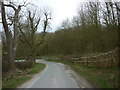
[(110, 13), (11, 36), (33, 23), (66, 24), (117, 4), (93, 13), (82, 17)]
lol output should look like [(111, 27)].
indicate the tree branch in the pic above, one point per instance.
[(4, 20), (24, 36), (9, 5), (37, 24), (44, 29)]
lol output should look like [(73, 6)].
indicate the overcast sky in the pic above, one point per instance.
[(61, 9)]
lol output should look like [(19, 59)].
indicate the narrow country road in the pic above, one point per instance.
[(53, 76)]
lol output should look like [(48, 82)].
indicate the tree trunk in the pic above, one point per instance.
[(9, 39)]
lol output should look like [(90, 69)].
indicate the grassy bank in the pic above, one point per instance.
[(13, 82), (99, 77)]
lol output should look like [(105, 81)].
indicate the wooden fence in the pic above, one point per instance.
[(103, 59)]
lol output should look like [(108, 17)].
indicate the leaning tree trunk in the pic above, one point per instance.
[(9, 39)]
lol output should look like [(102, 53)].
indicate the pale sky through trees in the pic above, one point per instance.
[(61, 9)]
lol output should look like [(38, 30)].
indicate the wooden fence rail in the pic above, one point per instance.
[(103, 59)]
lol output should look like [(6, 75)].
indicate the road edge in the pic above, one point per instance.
[(81, 81), (27, 83)]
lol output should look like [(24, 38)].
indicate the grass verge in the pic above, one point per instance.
[(16, 81), (99, 77)]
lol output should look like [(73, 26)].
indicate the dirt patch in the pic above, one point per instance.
[(81, 81)]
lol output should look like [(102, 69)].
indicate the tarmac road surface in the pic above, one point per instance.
[(53, 76)]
